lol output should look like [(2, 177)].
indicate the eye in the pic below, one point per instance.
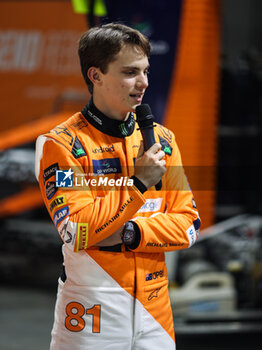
[(146, 72), (129, 72)]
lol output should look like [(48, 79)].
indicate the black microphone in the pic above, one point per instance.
[(145, 121)]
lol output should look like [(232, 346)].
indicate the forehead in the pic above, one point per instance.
[(130, 56)]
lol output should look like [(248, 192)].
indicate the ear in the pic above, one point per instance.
[(94, 75)]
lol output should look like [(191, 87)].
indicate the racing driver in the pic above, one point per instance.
[(98, 185)]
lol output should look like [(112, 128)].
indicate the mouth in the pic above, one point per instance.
[(137, 97)]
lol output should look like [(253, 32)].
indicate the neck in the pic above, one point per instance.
[(110, 126)]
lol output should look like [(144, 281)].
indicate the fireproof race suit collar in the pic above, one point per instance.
[(112, 127)]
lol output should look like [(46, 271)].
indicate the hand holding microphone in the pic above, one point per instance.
[(149, 165)]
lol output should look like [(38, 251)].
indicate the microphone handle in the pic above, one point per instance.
[(149, 140)]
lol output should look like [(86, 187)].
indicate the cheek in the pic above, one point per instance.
[(124, 90), (126, 84), (127, 87)]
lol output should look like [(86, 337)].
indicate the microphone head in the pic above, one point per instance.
[(144, 116), (143, 110)]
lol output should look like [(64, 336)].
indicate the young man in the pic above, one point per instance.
[(115, 227)]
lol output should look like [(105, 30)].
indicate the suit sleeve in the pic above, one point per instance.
[(83, 217), (176, 228)]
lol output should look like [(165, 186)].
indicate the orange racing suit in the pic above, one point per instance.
[(112, 297)]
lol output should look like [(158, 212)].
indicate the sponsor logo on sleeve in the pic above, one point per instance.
[(165, 146), (64, 178), (192, 235), (197, 224), (151, 205), (57, 202), (60, 215), (70, 230), (106, 166), (78, 149), (62, 228), (164, 245), (50, 189), (68, 237), (82, 236), (50, 171), (116, 216)]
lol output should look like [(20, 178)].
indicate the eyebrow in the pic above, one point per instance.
[(134, 67)]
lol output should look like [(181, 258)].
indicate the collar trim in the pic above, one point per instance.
[(112, 127)]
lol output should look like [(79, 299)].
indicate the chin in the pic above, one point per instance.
[(134, 107)]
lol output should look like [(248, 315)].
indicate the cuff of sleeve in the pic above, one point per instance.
[(139, 184)]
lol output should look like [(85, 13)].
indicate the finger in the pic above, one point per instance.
[(155, 148), (160, 155), (140, 150), (162, 162)]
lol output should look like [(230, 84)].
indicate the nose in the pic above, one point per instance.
[(142, 81)]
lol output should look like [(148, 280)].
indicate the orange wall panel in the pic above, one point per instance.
[(38, 58), (193, 101)]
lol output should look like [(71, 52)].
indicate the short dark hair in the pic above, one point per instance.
[(99, 46)]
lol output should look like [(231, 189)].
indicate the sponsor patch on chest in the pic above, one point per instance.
[(106, 166)]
